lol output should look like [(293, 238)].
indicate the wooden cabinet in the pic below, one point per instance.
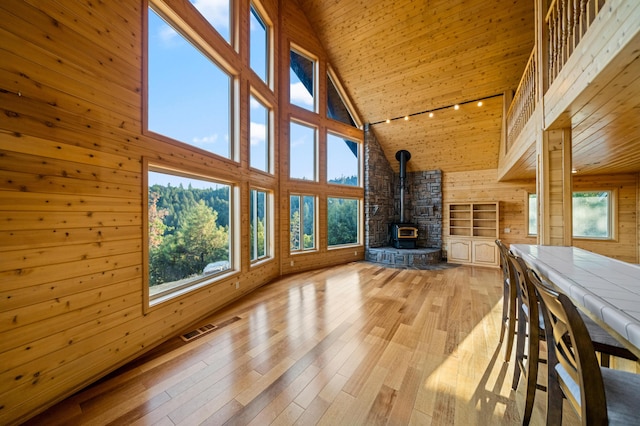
[(473, 229)]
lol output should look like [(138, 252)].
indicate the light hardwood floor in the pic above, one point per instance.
[(347, 345)]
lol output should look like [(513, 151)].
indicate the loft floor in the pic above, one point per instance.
[(352, 344)]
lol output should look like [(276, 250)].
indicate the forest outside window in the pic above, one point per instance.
[(188, 234), (302, 222), (188, 95), (260, 229), (343, 221)]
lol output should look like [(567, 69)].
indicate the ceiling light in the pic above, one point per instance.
[(388, 121), (430, 115), (406, 117), (456, 107), (574, 171), (479, 103)]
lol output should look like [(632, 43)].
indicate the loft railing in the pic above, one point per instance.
[(566, 23), (524, 101)]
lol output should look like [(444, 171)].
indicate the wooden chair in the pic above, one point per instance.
[(533, 324), (599, 395), (528, 335), (509, 302)]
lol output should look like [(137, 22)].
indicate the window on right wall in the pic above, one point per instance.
[(593, 214)]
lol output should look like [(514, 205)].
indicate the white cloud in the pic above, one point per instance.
[(167, 34), (205, 140), (257, 132), (253, 103), (300, 95), (215, 11)]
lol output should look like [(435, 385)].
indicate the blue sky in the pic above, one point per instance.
[(188, 94)]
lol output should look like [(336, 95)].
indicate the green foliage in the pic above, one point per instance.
[(185, 231), (342, 221)]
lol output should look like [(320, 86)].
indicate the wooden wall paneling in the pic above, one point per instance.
[(483, 186), (71, 146)]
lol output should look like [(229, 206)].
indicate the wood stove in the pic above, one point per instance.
[(404, 235)]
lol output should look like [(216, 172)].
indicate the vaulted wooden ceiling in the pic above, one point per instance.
[(405, 57)]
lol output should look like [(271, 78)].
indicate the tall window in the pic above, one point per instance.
[(302, 221), (260, 140), (343, 160), (343, 221), (593, 214), (189, 97), (259, 44), (189, 231), (302, 152), (218, 13), (302, 81), (259, 229)]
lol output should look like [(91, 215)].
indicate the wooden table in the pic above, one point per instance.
[(606, 289)]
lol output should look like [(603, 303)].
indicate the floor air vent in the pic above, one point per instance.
[(205, 329)]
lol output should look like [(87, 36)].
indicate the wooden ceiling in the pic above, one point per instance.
[(408, 56), (411, 56)]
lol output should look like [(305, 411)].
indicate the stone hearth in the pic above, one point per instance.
[(418, 258)]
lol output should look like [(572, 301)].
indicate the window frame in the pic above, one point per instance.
[(359, 222), (331, 75), (255, 94), (613, 215), (262, 16), (316, 150), (185, 24), (152, 301), (359, 159), (302, 249), (315, 61), (269, 226)]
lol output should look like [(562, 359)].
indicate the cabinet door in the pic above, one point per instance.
[(459, 251), (485, 253)]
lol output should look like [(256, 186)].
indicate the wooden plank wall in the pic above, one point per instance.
[(71, 191), (482, 185)]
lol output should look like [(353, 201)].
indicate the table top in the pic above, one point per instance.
[(607, 289)]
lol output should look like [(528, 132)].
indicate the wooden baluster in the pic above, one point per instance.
[(576, 23), (583, 17), (563, 34)]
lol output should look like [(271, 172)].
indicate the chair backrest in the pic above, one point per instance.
[(505, 263), (526, 291), (575, 362)]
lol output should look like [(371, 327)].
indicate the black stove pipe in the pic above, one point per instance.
[(402, 156)]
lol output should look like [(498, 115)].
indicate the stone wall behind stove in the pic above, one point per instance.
[(423, 199), (423, 205)]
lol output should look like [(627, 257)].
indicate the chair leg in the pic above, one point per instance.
[(532, 382), (521, 335), (505, 311), (511, 330)]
